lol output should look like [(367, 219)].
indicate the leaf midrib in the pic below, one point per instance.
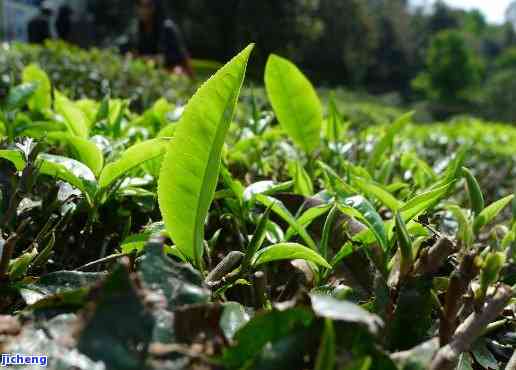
[(219, 135)]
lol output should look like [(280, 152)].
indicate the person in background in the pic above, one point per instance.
[(158, 35), (64, 22), (38, 28)]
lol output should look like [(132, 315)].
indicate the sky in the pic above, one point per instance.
[(494, 10)]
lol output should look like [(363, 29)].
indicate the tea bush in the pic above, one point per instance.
[(94, 73), (261, 232)]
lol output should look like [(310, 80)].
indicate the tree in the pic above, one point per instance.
[(345, 51), (395, 52), (499, 94), (453, 71), (218, 29), (475, 22), (442, 18)]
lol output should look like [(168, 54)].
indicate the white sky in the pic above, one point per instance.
[(494, 10)]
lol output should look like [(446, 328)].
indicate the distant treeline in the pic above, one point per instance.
[(449, 57)]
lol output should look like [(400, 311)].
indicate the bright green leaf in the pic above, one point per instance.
[(278, 208), (295, 102), (490, 212), (86, 151), (73, 116), (307, 217), (42, 97), (13, 156), (475, 193), (69, 170), (302, 182), (288, 251), (191, 167), (132, 158), (386, 142), (372, 189)]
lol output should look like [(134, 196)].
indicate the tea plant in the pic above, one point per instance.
[(285, 236)]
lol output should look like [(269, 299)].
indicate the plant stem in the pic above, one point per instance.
[(260, 290), (474, 325), (7, 254), (110, 258), (228, 264), (459, 283)]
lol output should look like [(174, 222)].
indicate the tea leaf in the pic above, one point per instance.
[(74, 117), (42, 98), (490, 212), (19, 96), (295, 102), (73, 172), (278, 208), (13, 156), (191, 167), (386, 142), (132, 158), (87, 152), (371, 189), (302, 182), (288, 251), (360, 208), (307, 217), (475, 193)]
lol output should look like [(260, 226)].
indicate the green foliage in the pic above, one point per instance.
[(191, 167), (131, 158), (490, 212), (93, 73), (295, 102), (19, 96), (73, 116), (288, 251), (86, 151), (42, 99), (498, 93), (475, 193), (277, 263), (405, 246), (453, 70), (326, 356)]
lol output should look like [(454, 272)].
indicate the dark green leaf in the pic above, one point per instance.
[(278, 208), (179, 283), (326, 356), (119, 340), (262, 329), (360, 208), (332, 308)]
